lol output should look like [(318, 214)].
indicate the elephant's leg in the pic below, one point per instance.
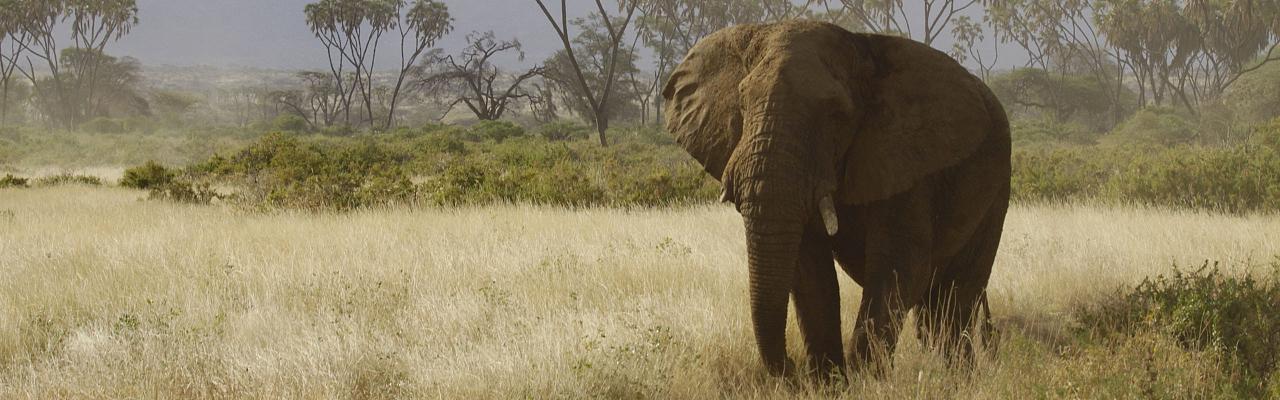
[(898, 244), (952, 304), (875, 335), (817, 298), (945, 318)]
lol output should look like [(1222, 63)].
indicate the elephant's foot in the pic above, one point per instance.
[(872, 349), (782, 369)]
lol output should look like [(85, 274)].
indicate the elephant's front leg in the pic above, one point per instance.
[(898, 248), (875, 333), (817, 298)]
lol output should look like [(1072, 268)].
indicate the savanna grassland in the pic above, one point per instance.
[(106, 295)]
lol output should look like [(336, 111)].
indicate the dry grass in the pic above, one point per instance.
[(106, 296)]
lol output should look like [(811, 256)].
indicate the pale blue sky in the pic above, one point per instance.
[(273, 34)]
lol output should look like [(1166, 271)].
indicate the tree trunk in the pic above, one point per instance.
[(602, 125)]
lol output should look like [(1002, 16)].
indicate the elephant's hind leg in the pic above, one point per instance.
[(817, 299)]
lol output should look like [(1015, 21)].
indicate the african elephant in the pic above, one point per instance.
[(877, 151)]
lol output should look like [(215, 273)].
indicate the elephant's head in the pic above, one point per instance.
[(794, 118)]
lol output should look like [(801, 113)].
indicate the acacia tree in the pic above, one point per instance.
[(969, 36), (350, 31), (473, 80), (1065, 32), (892, 17), (93, 25), (1238, 37), (425, 22), (38, 20), (11, 39), (598, 97)]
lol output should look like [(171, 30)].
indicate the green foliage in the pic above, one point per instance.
[(183, 191), (10, 181), (1205, 309), (290, 123), (1256, 95), (147, 176), (68, 179), (280, 170), (563, 131), (1057, 174), (495, 130), (1267, 135), (1035, 131), (288, 171), (1060, 97), (1235, 179), (1157, 125), (103, 125)]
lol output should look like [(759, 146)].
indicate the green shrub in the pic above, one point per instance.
[(563, 131), (1058, 174), (290, 123), (282, 171), (147, 176), (10, 181), (495, 130), (68, 179), (1156, 125), (1234, 179), (103, 125), (1033, 131), (1267, 135), (1204, 309), (184, 192)]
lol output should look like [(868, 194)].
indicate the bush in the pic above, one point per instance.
[(184, 192), (495, 130), (1156, 125), (290, 123), (147, 176), (563, 131), (10, 181), (1032, 131), (282, 171), (103, 125), (1205, 310), (1235, 180), (68, 179), (1267, 135)]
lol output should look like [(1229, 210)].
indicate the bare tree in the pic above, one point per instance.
[(473, 80), (598, 98)]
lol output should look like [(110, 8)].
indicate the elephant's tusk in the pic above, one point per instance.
[(724, 196), (828, 210)]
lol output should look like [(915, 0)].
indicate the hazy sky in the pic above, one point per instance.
[(273, 33)]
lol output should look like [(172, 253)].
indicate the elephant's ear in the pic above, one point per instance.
[(927, 113), (703, 108)]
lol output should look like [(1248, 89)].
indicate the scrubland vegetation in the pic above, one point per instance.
[(450, 227)]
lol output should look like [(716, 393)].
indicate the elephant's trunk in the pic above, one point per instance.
[(775, 196)]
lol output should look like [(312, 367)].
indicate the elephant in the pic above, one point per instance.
[(875, 152)]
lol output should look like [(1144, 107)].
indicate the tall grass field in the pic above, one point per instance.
[(106, 295)]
